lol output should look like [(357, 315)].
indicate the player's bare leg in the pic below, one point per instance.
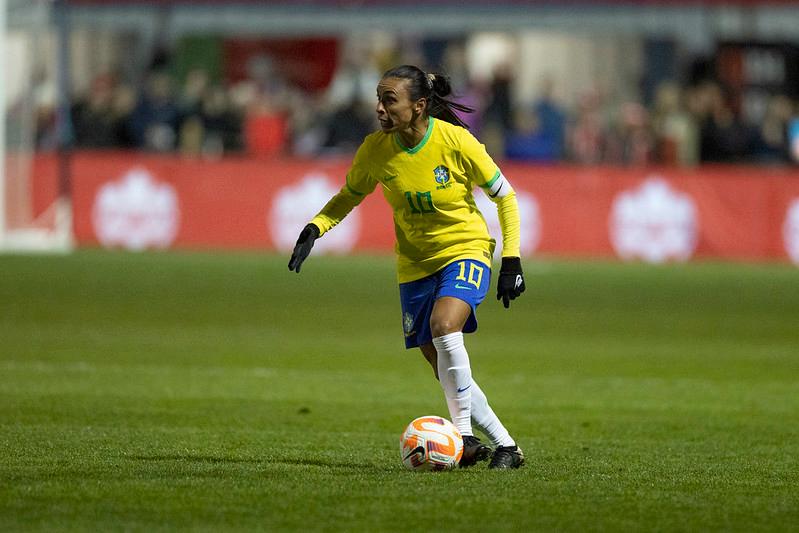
[(430, 354)]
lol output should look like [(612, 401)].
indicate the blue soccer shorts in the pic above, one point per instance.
[(466, 280)]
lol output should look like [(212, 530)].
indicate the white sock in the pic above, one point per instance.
[(486, 421), (455, 376)]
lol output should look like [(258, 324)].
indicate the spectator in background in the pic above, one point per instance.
[(221, 125), (771, 140), (500, 106), (473, 95), (723, 138), (528, 141), (189, 102), (267, 115), (586, 138), (93, 118), (676, 134), (348, 125), (267, 77), (347, 107), (551, 118), (354, 80), (194, 88), (306, 131), (154, 121), (630, 142), (265, 126), (123, 103), (498, 115)]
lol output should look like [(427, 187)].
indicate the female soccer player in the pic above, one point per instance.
[(427, 164)]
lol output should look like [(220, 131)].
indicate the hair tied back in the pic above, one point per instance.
[(433, 87)]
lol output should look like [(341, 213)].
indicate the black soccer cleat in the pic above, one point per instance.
[(507, 457), (473, 451)]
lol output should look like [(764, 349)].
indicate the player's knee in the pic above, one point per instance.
[(442, 326)]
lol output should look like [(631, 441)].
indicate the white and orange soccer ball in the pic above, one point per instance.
[(431, 443)]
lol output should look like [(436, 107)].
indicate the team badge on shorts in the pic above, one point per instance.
[(407, 324), (441, 174)]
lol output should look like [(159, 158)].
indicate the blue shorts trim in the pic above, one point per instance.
[(467, 280)]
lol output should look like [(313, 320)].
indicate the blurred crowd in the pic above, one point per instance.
[(266, 115)]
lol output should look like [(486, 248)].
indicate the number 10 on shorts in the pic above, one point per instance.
[(475, 274)]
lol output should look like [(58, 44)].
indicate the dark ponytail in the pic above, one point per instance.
[(434, 87)]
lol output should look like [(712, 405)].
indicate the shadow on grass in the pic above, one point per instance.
[(195, 459), (320, 462), (265, 461)]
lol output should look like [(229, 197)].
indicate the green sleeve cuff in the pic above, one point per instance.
[(492, 181)]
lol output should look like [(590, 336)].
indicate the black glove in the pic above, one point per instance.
[(303, 247), (511, 280)]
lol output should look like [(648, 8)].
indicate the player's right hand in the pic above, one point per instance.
[(303, 247)]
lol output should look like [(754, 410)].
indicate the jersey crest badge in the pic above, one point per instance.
[(441, 174)]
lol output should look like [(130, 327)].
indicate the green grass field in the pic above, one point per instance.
[(221, 392)]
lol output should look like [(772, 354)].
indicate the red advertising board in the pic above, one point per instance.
[(142, 201)]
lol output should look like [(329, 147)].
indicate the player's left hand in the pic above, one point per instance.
[(511, 280)]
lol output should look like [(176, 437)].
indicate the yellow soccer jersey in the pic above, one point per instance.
[(429, 188)]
